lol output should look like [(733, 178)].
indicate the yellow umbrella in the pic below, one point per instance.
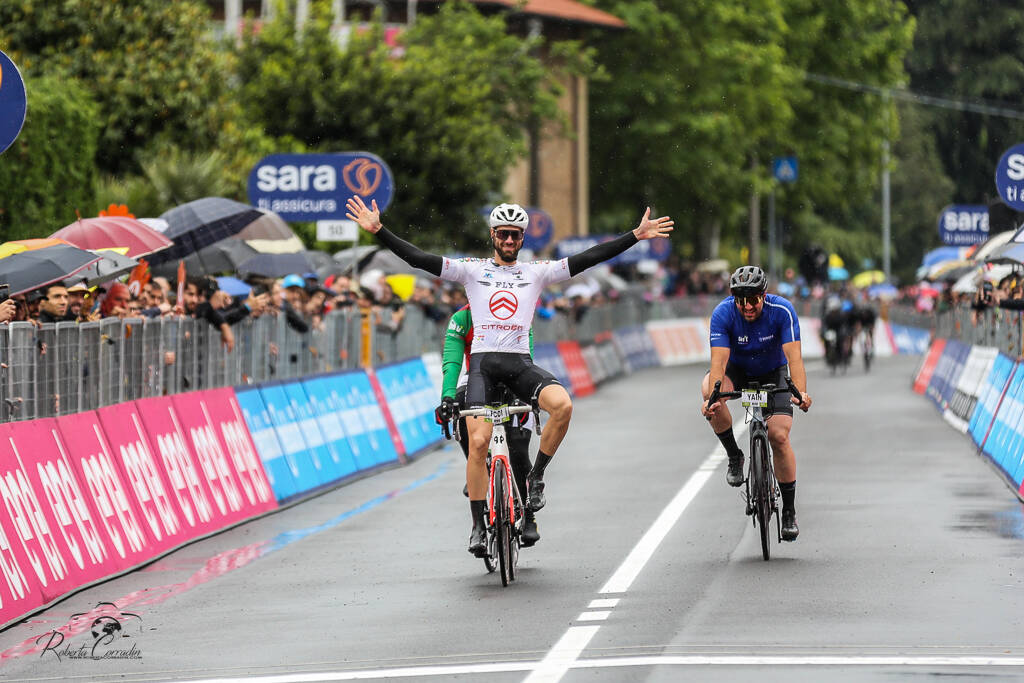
[(402, 285), (835, 261), (18, 246), (868, 278)]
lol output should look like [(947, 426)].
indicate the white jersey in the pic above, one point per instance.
[(502, 299)]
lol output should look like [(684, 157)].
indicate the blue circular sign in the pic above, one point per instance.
[(1010, 177), (13, 102), (539, 232)]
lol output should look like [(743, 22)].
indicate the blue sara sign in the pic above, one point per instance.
[(1010, 177), (13, 102), (314, 187), (963, 224)]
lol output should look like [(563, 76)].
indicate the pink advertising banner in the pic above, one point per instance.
[(103, 484), (215, 430), (196, 499), (148, 484), (19, 586), (72, 550)]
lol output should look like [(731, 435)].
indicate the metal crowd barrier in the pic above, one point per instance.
[(995, 327), (63, 368)]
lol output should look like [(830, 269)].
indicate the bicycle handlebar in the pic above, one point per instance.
[(717, 394), (484, 412)]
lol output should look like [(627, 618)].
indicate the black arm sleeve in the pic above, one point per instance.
[(600, 252), (209, 314), (294, 320), (236, 312), (415, 257), (1012, 304)]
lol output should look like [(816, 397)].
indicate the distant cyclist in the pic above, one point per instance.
[(864, 315), (755, 337), (503, 295), (458, 342), (837, 331)]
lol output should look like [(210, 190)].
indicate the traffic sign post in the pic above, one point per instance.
[(785, 170), (1010, 177)]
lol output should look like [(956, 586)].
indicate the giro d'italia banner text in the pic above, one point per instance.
[(13, 102), (314, 187)]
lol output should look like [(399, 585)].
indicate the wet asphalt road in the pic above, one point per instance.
[(908, 564)]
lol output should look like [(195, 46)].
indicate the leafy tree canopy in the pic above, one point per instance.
[(149, 64), (447, 112)]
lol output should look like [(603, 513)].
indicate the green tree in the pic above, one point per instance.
[(149, 64), (448, 115), (48, 173), (920, 189), (963, 50), (694, 90), (709, 91), (839, 133)]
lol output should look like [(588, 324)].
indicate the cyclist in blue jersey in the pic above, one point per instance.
[(755, 337)]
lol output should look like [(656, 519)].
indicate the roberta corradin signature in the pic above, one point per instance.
[(113, 635)]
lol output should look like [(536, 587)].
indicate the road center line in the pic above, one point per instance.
[(567, 650), (642, 551)]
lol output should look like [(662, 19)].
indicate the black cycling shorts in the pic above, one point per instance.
[(779, 403), (515, 370)]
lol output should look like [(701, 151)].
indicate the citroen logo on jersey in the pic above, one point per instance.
[(503, 305)]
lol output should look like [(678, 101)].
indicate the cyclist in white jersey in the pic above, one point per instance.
[(503, 295)]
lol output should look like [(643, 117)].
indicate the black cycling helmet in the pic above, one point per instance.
[(748, 280)]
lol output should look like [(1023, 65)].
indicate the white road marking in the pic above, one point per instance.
[(642, 551), (594, 616), (562, 656), (565, 653), (603, 602), (564, 664)]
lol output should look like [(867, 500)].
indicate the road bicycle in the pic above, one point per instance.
[(868, 345), (504, 501), (838, 349), (762, 489)]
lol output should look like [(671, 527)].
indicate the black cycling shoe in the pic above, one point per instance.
[(536, 488), (789, 528), (530, 535), (478, 541), (734, 475)]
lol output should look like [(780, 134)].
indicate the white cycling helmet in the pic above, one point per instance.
[(508, 214)]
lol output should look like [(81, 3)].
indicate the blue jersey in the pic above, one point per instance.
[(755, 346)]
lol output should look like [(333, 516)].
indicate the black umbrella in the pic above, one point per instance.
[(222, 257), (202, 222), (32, 269), (276, 265)]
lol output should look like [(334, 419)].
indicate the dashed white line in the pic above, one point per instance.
[(603, 602), (594, 616), (644, 549)]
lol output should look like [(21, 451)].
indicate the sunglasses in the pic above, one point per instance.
[(514, 235), (752, 300)]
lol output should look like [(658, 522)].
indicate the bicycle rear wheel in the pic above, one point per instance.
[(501, 523), (760, 472)]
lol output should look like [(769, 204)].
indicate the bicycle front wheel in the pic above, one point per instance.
[(760, 473), (501, 523)]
